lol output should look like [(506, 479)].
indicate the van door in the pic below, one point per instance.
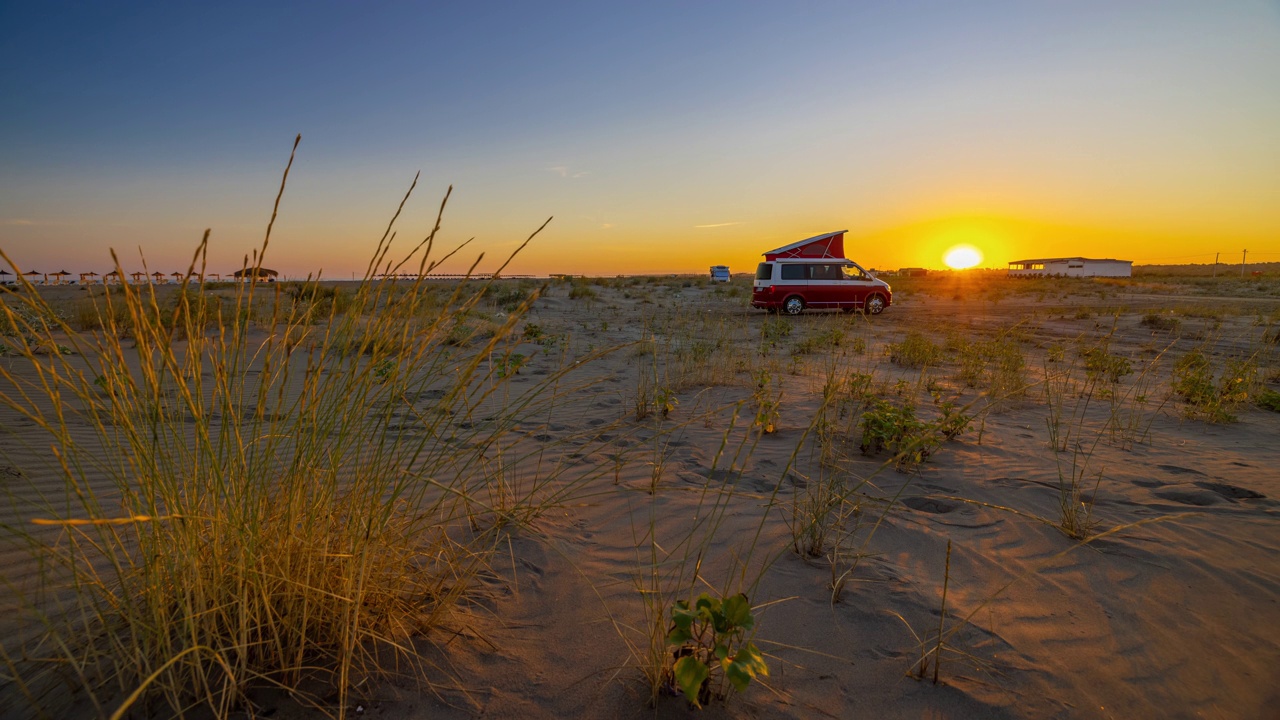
[(825, 284), (856, 287)]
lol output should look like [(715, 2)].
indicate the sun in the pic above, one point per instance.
[(961, 257)]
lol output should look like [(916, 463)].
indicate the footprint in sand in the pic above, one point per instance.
[(929, 505), (1199, 498), (1174, 469), (1231, 492)]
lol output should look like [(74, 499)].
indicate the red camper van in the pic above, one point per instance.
[(813, 273)]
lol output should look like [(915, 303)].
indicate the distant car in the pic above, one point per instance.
[(719, 273), (790, 285)]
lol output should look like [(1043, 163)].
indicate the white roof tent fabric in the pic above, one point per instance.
[(818, 247)]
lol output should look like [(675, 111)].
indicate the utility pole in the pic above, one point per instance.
[(1215, 263), (1242, 257)]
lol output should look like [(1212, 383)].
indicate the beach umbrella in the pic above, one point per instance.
[(249, 272), (36, 273)]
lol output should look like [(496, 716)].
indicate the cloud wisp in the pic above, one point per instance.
[(565, 171), (718, 225)]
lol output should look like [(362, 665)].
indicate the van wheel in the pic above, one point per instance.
[(793, 305), (875, 304)]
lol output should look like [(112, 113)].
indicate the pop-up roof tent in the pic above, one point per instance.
[(827, 245)]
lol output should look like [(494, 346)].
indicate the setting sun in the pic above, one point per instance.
[(961, 257)]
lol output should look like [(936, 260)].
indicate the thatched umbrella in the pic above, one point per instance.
[(113, 277), (60, 274), (262, 274), (86, 278), (138, 277), (3, 274), (36, 273), (159, 277)]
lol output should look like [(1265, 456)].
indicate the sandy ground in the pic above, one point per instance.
[(1175, 617)]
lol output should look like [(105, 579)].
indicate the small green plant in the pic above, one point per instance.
[(821, 342), (665, 401), (953, 421), (1269, 399), (508, 297), (886, 426), (710, 639), (1159, 322), (383, 370), (582, 291), (767, 403), (1102, 365), (859, 386), (915, 351), (773, 330), (533, 332), (1209, 399), (510, 365)]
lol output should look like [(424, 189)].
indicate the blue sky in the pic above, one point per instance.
[(663, 137)]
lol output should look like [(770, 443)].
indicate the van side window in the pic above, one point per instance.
[(764, 271), (794, 272), (824, 272)]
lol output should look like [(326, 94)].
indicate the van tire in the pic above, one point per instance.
[(875, 304), (793, 305)]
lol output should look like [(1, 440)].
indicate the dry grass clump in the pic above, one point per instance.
[(244, 511)]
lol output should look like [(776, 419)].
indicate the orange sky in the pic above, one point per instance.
[(662, 139)]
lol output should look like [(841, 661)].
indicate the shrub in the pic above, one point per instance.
[(1269, 399), (915, 351), (997, 365), (886, 426), (509, 297), (773, 330), (1157, 321), (1102, 365), (582, 291), (1214, 400), (820, 342)]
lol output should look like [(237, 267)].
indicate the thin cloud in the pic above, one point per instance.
[(716, 225), (565, 171), (606, 226), (19, 221)]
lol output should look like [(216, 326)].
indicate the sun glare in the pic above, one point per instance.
[(962, 256)]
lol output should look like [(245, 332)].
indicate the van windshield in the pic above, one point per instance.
[(853, 272)]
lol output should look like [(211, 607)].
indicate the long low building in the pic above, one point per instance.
[(1071, 267)]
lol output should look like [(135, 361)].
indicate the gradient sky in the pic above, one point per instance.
[(663, 136)]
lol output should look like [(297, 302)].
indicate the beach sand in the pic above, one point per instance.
[(1175, 615)]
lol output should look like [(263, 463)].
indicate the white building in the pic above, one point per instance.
[(1070, 267)]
